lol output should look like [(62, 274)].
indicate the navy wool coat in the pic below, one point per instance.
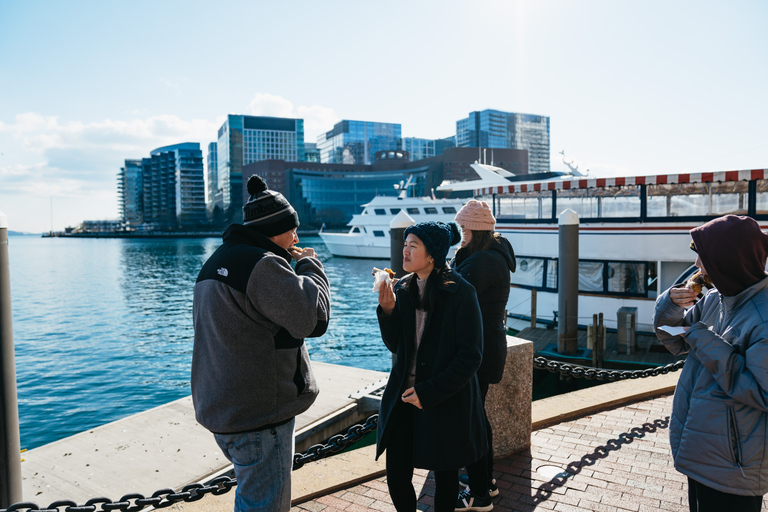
[(449, 432)]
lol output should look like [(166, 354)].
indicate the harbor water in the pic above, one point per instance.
[(103, 327)]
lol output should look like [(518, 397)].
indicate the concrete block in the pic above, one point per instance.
[(508, 403)]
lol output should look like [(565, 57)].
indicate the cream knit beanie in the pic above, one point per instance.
[(476, 215)]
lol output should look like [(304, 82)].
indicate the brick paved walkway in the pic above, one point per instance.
[(613, 461)]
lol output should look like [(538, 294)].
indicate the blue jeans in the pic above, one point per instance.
[(263, 462)]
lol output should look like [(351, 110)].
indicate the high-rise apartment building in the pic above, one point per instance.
[(174, 187), (246, 139), (357, 142), (497, 129), (130, 194), (212, 179), (419, 149)]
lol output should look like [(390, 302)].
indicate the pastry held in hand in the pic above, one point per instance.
[(697, 281), (381, 276)]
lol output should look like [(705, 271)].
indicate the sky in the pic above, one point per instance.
[(631, 87)]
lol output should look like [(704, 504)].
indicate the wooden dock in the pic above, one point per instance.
[(165, 447), (650, 351)]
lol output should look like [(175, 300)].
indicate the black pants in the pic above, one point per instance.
[(705, 499), (400, 467), (480, 473)]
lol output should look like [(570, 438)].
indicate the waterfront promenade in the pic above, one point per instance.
[(603, 449)]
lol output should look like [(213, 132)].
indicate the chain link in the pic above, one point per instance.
[(590, 373), (193, 492)]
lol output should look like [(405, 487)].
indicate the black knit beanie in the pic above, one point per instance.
[(437, 238), (268, 211)]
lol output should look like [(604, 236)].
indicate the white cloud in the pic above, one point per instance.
[(317, 119), (77, 162), (270, 105)]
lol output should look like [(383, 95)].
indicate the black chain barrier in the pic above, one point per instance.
[(588, 372), (193, 492)]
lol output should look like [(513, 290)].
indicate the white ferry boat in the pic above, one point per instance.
[(633, 235), (368, 236)]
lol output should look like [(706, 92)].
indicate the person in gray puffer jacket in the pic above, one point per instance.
[(719, 425), (251, 373)]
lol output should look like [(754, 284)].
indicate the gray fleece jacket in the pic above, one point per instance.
[(252, 311)]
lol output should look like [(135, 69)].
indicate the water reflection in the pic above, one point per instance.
[(103, 328)]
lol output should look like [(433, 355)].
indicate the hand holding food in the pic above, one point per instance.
[(297, 252), (697, 281), (381, 276)]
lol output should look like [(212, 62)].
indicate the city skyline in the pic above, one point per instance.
[(629, 88)]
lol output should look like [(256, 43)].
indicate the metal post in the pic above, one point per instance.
[(397, 228), (10, 444), (533, 308), (601, 339), (568, 283), (595, 341)]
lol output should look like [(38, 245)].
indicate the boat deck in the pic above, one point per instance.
[(650, 351)]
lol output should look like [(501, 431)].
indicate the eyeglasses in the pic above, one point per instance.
[(693, 247)]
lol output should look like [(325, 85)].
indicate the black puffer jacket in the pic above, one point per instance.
[(488, 271)]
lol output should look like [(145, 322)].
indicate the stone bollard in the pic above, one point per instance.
[(508, 403)]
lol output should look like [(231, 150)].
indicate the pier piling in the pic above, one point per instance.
[(568, 282), (397, 227), (10, 444)]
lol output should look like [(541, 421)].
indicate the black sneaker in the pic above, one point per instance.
[(493, 491), (468, 502)]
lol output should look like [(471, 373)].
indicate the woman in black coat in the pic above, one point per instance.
[(431, 413), (485, 259)]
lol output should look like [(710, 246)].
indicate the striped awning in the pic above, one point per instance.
[(659, 179)]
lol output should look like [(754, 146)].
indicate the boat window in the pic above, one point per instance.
[(590, 276), (413, 211), (395, 211), (762, 197), (380, 211), (709, 199), (626, 278), (525, 205), (355, 230), (630, 278), (529, 272), (378, 233), (430, 210), (449, 209), (601, 202)]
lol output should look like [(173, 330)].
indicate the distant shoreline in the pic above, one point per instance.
[(165, 234)]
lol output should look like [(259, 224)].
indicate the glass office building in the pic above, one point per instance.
[(311, 153), (332, 197), (356, 142), (497, 129), (246, 139), (419, 149)]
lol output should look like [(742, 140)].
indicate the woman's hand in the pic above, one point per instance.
[(683, 297), (387, 297), (410, 397)]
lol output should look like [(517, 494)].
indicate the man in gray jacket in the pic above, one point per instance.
[(251, 372), (719, 426)]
